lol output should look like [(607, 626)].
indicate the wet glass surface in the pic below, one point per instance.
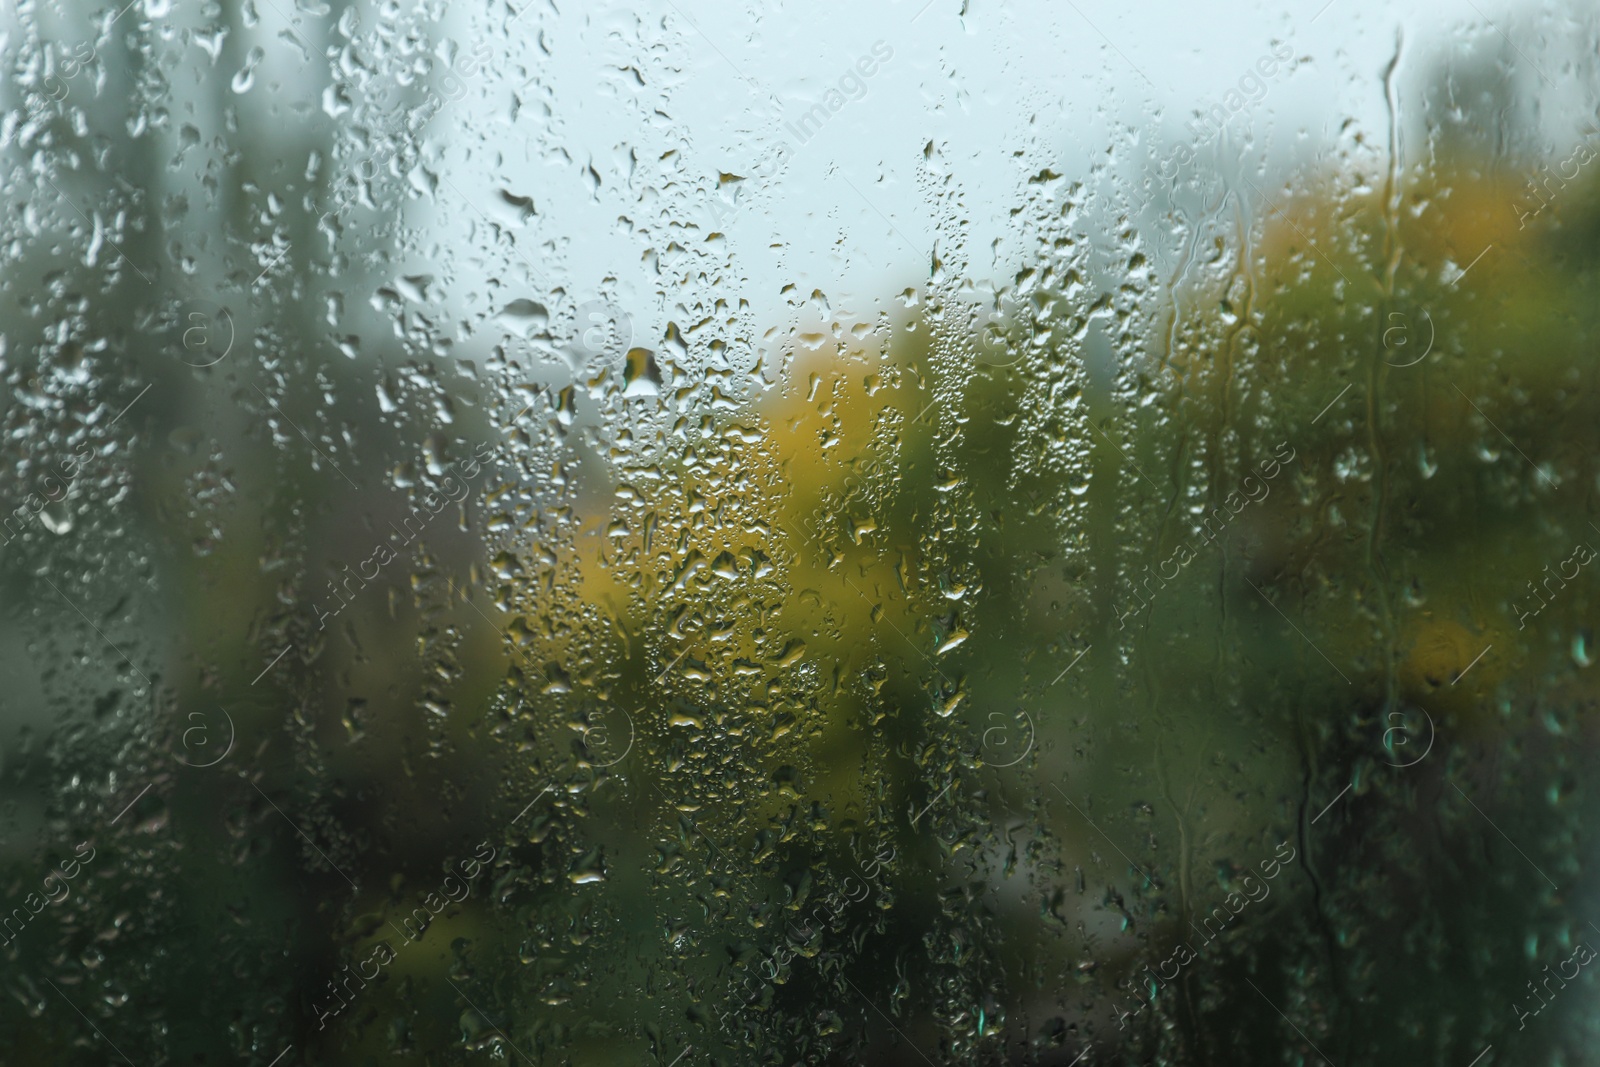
[(917, 533)]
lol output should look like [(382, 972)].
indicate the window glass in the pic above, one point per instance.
[(939, 531)]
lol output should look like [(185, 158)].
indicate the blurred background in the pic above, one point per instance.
[(948, 533)]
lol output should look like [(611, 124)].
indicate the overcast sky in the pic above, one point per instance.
[(1000, 89)]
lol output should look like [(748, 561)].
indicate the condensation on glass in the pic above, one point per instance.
[(945, 533)]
